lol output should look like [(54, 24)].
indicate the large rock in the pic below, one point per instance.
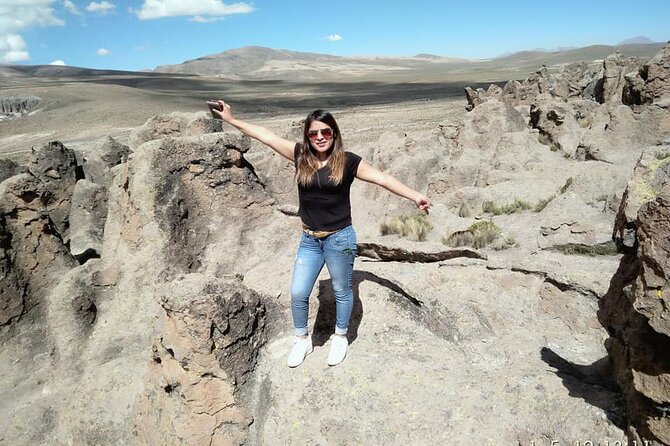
[(651, 83), (87, 220), (9, 168), (174, 124), (98, 161), (651, 172), (635, 312), (56, 167), (159, 335)]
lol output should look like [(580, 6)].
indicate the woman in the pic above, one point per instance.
[(324, 173)]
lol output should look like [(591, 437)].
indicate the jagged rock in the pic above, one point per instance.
[(56, 167), (635, 313), (174, 124), (649, 177), (9, 168), (214, 331), (87, 220), (15, 106), (557, 125), (615, 68), (577, 81), (33, 255), (651, 84), (165, 218), (98, 161)]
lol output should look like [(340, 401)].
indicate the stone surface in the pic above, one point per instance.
[(88, 212)]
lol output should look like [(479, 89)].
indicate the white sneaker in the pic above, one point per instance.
[(301, 348), (338, 349)]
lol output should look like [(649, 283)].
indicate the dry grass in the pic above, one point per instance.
[(478, 235), (414, 227)]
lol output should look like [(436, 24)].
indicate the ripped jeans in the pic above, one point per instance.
[(337, 251)]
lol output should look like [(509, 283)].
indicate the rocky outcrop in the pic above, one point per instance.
[(651, 83), (174, 124), (9, 168), (159, 334), (15, 106), (635, 309), (55, 166), (651, 172)]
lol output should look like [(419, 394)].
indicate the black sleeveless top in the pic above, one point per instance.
[(323, 205)]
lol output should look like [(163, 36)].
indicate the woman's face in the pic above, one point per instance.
[(321, 136)]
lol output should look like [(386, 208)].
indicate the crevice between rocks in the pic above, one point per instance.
[(388, 254), (560, 284)]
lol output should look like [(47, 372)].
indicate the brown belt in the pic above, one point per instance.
[(317, 234)]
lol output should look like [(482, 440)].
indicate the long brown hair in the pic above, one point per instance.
[(307, 163)]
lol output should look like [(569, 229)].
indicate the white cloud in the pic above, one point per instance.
[(334, 37), (16, 16), (60, 63), (156, 9), (104, 7), (103, 52), (71, 7), (12, 49), (201, 19)]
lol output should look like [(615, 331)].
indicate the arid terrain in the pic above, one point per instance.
[(145, 277)]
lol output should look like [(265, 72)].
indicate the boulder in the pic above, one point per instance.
[(651, 173), (98, 161), (635, 313), (651, 83), (56, 167), (174, 124)]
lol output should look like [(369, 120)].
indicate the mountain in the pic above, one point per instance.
[(253, 62), (259, 63), (637, 39)]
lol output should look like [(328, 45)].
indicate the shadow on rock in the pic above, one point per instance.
[(324, 324), (593, 383)]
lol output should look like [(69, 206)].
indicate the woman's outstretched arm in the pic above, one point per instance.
[(368, 173), (282, 146)]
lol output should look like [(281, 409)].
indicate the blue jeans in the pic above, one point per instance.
[(337, 251)]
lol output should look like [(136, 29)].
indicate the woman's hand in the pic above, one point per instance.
[(423, 203), (225, 112)]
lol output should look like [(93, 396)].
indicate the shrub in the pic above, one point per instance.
[(512, 208), (661, 155), (478, 235), (460, 238), (567, 184), (539, 207), (484, 232), (508, 243), (464, 210), (414, 227)]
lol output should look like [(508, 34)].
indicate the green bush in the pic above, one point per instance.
[(414, 227)]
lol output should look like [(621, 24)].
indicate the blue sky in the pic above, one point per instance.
[(142, 34)]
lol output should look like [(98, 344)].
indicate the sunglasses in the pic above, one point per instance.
[(327, 133)]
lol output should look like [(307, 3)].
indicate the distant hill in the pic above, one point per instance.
[(637, 39), (259, 63), (253, 62)]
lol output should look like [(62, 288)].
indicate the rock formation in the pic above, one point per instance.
[(144, 292), (15, 106)]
